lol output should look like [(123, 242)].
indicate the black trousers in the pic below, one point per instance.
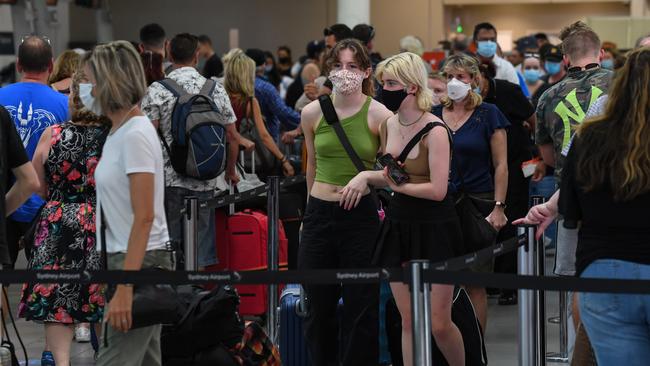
[(335, 238), (15, 232)]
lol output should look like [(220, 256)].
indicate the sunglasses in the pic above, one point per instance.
[(28, 36)]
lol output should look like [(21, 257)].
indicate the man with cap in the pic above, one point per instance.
[(366, 34), (274, 110), (336, 33), (552, 61)]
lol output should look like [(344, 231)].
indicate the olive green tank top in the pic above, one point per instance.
[(333, 165)]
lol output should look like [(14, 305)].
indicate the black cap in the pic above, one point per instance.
[(526, 43), (257, 55), (314, 48), (364, 33), (552, 53)]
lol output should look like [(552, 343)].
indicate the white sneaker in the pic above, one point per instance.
[(82, 334)]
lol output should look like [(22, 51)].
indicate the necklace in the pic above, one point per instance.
[(126, 118), (412, 123), (458, 123)]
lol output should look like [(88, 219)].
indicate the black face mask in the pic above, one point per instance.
[(393, 99), (284, 60)]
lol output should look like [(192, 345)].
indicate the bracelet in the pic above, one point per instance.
[(284, 159)]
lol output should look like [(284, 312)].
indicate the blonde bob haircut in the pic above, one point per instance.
[(239, 74), (118, 70), (408, 68), (468, 64)]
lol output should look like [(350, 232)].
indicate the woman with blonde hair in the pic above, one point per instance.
[(239, 82), (130, 195), (480, 166), (421, 221), (64, 66), (65, 160)]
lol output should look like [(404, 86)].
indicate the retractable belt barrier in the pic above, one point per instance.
[(450, 271)]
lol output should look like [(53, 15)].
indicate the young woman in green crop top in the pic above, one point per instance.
[(421, 221), (335, 233)]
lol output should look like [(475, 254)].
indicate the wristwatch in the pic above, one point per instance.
[(500, 204)]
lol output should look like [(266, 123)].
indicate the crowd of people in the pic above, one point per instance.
[(100, 130)]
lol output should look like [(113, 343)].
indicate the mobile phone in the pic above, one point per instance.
[(395, 172)]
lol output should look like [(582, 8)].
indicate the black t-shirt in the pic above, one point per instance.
[(12, 155), (512, 102), (608, 229), (213, 67)]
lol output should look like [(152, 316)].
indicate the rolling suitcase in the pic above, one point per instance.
[(241, 242), (293, 348)]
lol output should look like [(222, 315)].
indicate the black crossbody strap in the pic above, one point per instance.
[(102, 235), (414, 141), (329, 112)]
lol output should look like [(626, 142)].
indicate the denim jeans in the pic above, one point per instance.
[(618, 325), (336, 238), (545, 188), (207, 250)]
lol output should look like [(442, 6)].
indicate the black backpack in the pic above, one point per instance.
[(198, 148)]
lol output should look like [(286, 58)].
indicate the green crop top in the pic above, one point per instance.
[(333, 165)]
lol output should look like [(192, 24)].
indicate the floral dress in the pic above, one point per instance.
[(65, 235)]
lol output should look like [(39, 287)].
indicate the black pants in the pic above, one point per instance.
[(335, 238), (15, 232)]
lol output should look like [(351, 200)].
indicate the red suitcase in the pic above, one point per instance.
[(242, 246)]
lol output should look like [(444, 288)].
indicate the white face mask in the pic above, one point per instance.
[(457, 90), (87, 99)]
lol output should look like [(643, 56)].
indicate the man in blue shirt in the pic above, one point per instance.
[(274, 110), (33, 106)]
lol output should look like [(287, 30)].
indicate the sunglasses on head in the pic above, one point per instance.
[(28, 36)]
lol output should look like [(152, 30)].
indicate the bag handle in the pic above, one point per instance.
[(174, 88), (414, 141), (208, 88)]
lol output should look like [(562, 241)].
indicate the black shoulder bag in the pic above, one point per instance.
[(478, 233), (329, 112)]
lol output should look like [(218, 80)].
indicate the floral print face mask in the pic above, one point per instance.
[(346, 82)]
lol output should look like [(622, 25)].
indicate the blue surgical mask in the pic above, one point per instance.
[(487, 49), (552, 68), (477, 90), (268, 68), (607, 64), (87, 98), (531, 75)]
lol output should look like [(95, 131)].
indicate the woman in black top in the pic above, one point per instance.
[(606, 189), (512, 102)]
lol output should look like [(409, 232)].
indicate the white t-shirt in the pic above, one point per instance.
[(133, 148), (505, 70)]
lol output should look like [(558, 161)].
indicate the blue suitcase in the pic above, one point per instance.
[(293, 349)]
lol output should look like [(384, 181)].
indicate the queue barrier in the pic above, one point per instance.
[(419, 275)]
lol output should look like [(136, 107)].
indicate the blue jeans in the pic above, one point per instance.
[(545, 188), (618, 325), (207, 250)]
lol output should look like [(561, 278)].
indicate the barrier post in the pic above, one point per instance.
[(273, 212), (526, 309), (191, 232), (426, 302), (417, 312), (539, 266)]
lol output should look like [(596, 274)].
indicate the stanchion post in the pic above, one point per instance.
[(540, 298), (417, 312), (191, 232), (273, 212), (527, 302), (426, 305)]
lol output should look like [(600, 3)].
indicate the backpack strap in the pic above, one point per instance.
[(208, 88), (173, 87)]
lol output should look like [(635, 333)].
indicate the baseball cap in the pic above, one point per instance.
[(551, 53)]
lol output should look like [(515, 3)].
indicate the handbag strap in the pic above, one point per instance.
[(414, 141), (102, 235), (332, 118)]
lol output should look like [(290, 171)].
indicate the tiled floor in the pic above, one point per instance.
[(501, 335)]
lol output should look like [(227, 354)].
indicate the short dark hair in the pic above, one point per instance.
[(480, 26), (205, 39), (285, 49), (183, 47), (363, 32), (152, 35), (339, 31), (34, 54), (541, 36)]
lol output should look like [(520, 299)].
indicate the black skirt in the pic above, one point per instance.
[(416, 228)]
